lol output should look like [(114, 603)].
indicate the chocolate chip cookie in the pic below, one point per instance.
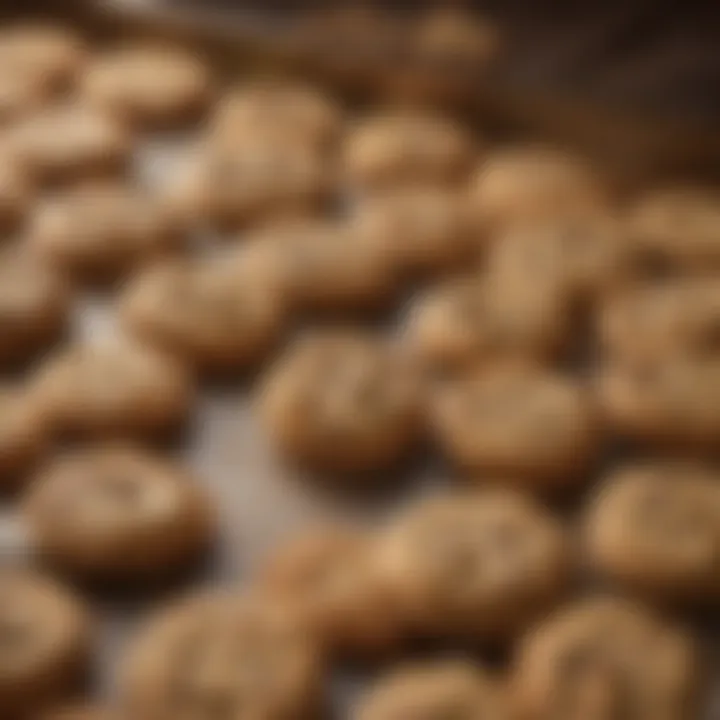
[(115, 389), (44, 643), (214, 314), (222, 653), (392, 149), (97, 233), (448, 688), (606, 658), (653, 527), (155, 87), (477, 565), (118, 513), (330, 576), (342, 400), (519, 424)]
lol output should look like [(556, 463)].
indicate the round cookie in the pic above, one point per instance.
[(394, 149), (255, 180), (461, 324), (477, 566), (23, 435), (34, 306), (606, 658), (676, 229), (655, 529), (424, 230), (44, 643), (216, 315), (115, 390), (530, 427), (118, 513), (342, 401), (439, 689), (528, 183), (101, 232), (69, 143), (220, 651), (149, 87), (681, 317), (291, 114), (330, 577), (670, 405)]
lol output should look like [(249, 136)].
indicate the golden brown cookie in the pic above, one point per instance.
[(154, 87), (439, 689), (331, 578), (34, 306), (103, 231), (605, 658), (388, 150), (655, 529), (216, 315), (523, 425), (342, 400), (23, 435), (288, 113), (68, 143), (222, 653), (671, 405), (115, 389), (646, 322), (44, 643), (476, 566), (530, 183), (118, 513)]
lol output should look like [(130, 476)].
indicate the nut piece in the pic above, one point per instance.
[(478, 565), (44, 643), (530, 427), (442, 689), (343, 401), (118, 513), (243, 656), (606, 658)]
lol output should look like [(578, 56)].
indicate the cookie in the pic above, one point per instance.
[(424, 230), (387, 150), (330, 576), (459, 325), (23, 435), (99, 233), (342, 400), (232, 188), (118, 513), (213, 314), (524, 425), (115, 389), (529, 183), (221, 651), (44, 652), (647, 321), (670, 405), (443, 688), (476, 566), (288, 113), (675, 229), (654, 529), (604, 658), (69, 143), (327, 267), (149, 87), (34, 306)]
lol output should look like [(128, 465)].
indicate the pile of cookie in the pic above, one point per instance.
[(390, 283)]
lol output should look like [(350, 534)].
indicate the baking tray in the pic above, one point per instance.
[(260, 500)]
